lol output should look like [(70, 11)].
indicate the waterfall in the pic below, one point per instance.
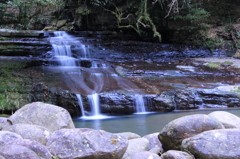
[(140, 105), (63, 44), (79, 97), (95, 108), (94, 103)]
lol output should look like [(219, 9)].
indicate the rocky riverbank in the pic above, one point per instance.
[(44, 131)]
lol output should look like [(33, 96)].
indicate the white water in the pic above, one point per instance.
[(140, 105), (62, 44), (79, 97), (67, 52), (95, 108)]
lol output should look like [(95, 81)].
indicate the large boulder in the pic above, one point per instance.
[(135, 146), (227, 119), (37, 113), (173, 154), (214, 144), (179, 129), (31, 132), (86, 143)]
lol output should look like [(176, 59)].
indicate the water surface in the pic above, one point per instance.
[(141, 124)]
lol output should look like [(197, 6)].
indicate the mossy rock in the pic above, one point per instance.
[(213, 65), (50, 28), (237, 54), (61, 23)]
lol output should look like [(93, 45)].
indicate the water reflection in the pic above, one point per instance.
[(141, 124)]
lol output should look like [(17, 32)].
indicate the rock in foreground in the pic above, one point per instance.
[(37, 113), (179, 129), (86, 143), (214, 144)]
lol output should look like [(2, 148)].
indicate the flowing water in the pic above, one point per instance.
[(85, 75)]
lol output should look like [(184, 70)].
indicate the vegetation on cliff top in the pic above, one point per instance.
[(142, 16)]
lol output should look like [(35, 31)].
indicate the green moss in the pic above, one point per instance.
[(227, 63), (213, 65), (14, 88)]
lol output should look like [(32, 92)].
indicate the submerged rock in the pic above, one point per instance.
[(214, 144), (179, 129)]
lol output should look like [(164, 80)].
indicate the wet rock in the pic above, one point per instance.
[(144, 155), (86, 143), (164, 101), (179, 129), (227, 119), (50, 116), (136, 146), (56, 96), (214, 144), (61, 23), (188, 99), (21, 33), (31, 132), (117, 103), (173, 154), (215, 97), (129, 135), (154, 142)]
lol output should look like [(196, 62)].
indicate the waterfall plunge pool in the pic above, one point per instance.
[(141, 124)]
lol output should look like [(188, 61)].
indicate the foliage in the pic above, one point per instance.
[(14, 87), (24, 12)]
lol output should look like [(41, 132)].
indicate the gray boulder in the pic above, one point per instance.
[(179, 129), (37, 113), (164, 101), (214, 144), (188, 99), (227, 119), (154, 141), (17, 152), (144, 155), (4, 122), (32, 132), (173, 154), (129, 135), (86, 143), (136, 146), (40, 150), (8, 137)]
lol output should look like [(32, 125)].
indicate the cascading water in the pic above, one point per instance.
[(81, 104), (94, 104), (140, 105), (87, 76)]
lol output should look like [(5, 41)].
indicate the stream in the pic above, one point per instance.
[(117, 84)]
